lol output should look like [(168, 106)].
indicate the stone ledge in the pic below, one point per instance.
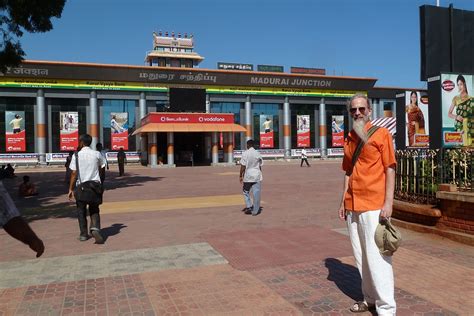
[(450, 234), (467, 197), (421, 209)]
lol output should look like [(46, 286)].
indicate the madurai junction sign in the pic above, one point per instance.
[(47, 71)]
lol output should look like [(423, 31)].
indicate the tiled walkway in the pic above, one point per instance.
[(178, 244)]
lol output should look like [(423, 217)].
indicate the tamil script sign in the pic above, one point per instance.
[(234, 66), (270, 68)]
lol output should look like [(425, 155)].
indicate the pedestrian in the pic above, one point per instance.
[(367, 199), (100, 149), (251, 177), (304, 157), (121, 159), (89, 162), (15, 225), (67, 177)]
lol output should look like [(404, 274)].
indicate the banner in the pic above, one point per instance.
[(416, 120), (302, 131), (337, 128), (119, 130), (458, 109), (68, 131), (15, 135), (266, 131)]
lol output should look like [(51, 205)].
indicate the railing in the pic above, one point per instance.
[(420, 171)]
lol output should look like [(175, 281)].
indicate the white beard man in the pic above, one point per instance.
[(367, 197)]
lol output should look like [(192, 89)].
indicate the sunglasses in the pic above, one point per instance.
[(354, 110)]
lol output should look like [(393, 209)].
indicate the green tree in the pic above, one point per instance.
[(17, 16)]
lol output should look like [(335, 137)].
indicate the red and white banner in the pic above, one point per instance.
[(119, 130), (15, 134), (337, 128), (69, 131), (303, 138), (176, 118), (266, 131)]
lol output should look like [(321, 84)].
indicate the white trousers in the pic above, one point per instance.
[(375, 269)]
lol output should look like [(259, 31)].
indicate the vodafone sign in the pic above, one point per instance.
[(184, 118)]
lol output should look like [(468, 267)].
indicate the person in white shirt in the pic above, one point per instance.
[(90, 163), (251, 177), (304, 157)]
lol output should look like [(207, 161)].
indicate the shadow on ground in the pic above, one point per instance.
[(52, 202), (112, 230)]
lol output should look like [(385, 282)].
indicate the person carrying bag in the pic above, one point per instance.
[(87, 190)]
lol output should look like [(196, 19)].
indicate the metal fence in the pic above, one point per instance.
[(420, 171)]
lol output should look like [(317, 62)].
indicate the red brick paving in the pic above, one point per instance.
[(286, 263)]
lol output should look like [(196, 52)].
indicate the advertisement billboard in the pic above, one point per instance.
[(337, 129), (416, 120), (270, 68), (15, 134), (68, 131), (119, 130), (266, 131), (457, 109), (303, 131)]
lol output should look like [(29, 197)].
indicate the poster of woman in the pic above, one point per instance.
[(458, 109), (15, 135), (417, 128), (119, 130), (69, 130)]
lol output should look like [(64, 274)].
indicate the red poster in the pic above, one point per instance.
[(120, 140), (266, 140), (69, 141), (16, 142), (303, 139), (338, 139), (337, 128)]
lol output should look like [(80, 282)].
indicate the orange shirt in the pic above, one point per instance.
[(366, 191)]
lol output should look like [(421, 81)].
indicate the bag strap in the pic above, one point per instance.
[(77, 167), (361, 144)]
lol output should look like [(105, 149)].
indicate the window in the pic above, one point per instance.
[(229, 107)]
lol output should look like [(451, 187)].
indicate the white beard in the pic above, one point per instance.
[(358, 127)]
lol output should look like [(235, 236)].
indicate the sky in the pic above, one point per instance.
[(365, 38)]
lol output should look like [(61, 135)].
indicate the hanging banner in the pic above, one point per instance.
[(266, 131), (15, 135), (119, 130), (458, 109), (417, 128), (302, 131), (337, 128), (69, 131)]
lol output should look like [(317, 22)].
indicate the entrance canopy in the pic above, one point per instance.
[(189, 122)]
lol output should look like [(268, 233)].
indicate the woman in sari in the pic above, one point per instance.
[(462, 112), (415, 119)]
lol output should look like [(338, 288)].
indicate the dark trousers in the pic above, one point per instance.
[(82, 216), (121, 169), (305, 160)]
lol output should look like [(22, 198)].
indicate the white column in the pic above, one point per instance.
[(248, 119), (40, 126), (170, 149), (287, 128), (215, 148), (322, 128), (93, 119), (152, 150), (143, 136)]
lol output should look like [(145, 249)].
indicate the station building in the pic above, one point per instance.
[(173, 112)]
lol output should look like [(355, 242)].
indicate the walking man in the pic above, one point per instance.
[(121, 159), (90, 162), (304, 157), (100, 149), (251, 177), (367, 198)]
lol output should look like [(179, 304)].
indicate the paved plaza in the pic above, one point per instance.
[(177, 243)]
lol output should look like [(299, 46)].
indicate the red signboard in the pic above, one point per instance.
[(266, 140), (69, 141), (16, 141), (303, 139), (185, 118), (120, 140), (311, 71)]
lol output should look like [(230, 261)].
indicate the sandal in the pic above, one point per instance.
[(361, 307)]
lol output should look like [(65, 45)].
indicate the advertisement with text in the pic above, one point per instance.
[(69, 130), (15, 135), (119, 130), (303, 131), (416, 119), (337, 129), (266, 131)]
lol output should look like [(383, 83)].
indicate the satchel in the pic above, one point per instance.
[(87, 192)]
